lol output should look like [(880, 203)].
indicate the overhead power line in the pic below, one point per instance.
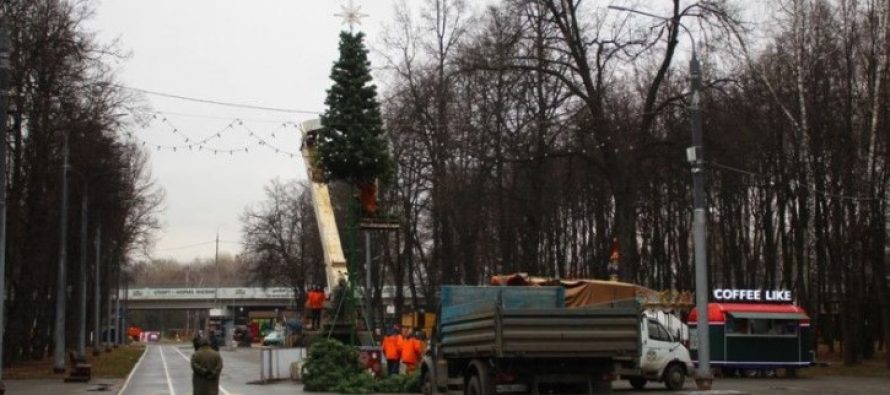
[(203, 243), (188, 246), (808, 186), (216, 102)]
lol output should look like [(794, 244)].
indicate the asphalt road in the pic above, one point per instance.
[(166, 370), (773, 386)]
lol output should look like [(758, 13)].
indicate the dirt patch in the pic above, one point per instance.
[(874, 367)]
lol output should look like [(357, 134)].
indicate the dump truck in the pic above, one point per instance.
[(490, 340)]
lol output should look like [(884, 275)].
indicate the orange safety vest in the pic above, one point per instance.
[(315, 300), (392, 347), (411, 351)]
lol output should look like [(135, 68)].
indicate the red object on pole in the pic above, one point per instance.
[(368, 197)]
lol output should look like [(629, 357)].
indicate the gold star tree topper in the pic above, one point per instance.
[(351, 14)]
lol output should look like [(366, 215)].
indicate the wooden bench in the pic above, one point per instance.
[(81, 371)]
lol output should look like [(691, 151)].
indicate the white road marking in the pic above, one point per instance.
[(166, 372), (130, 376), (221, 389)]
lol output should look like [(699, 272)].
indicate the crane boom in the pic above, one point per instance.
[(334, 260)]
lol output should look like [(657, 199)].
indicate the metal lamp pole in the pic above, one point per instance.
[(4, 82), (61, 279), (82, 279), (699, 233), (704, 377), (97, 296)]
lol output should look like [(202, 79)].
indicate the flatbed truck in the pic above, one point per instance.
[(492, 340)]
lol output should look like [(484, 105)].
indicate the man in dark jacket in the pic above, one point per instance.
[(215, 340), (206, 367), (196, 340)]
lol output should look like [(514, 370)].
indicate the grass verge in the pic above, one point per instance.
[(115, 364), (874, 367)]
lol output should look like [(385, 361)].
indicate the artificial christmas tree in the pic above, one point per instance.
[(351, 147)]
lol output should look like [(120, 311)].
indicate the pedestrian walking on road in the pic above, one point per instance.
[(206, 367)]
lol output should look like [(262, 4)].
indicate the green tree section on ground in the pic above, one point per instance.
[(334, 367)]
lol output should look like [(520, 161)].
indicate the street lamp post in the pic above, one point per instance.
[(61, 276), (97, 296), (704, 377), (4, 82), (694, 154), (82, 279), (109, 301)]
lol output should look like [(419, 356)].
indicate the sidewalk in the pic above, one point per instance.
[(57, 387)]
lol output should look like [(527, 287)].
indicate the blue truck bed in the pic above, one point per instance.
[(532, 322)]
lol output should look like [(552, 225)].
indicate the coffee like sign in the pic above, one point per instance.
[(752, 295)]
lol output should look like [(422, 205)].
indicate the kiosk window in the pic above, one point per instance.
[(761, 327), (657, 332)]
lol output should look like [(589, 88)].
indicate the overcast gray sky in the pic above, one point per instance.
[(275, 53)]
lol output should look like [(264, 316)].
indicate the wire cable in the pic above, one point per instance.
[(808, 186), (203, 243), (215, 102)]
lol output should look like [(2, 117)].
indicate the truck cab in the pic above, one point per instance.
[(663, 356)]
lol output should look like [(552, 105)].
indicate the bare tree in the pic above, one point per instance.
[(280, 239)]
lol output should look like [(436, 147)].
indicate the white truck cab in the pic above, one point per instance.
[(664, 357)]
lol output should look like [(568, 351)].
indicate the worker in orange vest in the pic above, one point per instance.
[(315, 303), (411, 350), (392, 350)]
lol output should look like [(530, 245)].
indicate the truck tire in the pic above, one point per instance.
[(637, 382), (674, 377), (474, 387)]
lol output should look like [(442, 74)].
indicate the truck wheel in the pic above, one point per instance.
[(674, 377), (637, 382), (473, 386)]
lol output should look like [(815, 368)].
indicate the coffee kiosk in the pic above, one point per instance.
[(755, 332)]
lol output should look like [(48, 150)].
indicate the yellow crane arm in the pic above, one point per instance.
[(334, 260)]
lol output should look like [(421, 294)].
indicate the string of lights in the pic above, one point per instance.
[(202, 145), (265, 143), (189, 140)]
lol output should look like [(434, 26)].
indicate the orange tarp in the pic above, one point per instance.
[(579, 293), (585, 292)]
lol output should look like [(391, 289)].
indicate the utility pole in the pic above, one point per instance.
[(125, 333), (61, 279), (97, 295), (82, 278), (703, 378), (4, 83), (368, 281), (694, 154), (117, 310), (108, 318), (188, 316), (216, 266)]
